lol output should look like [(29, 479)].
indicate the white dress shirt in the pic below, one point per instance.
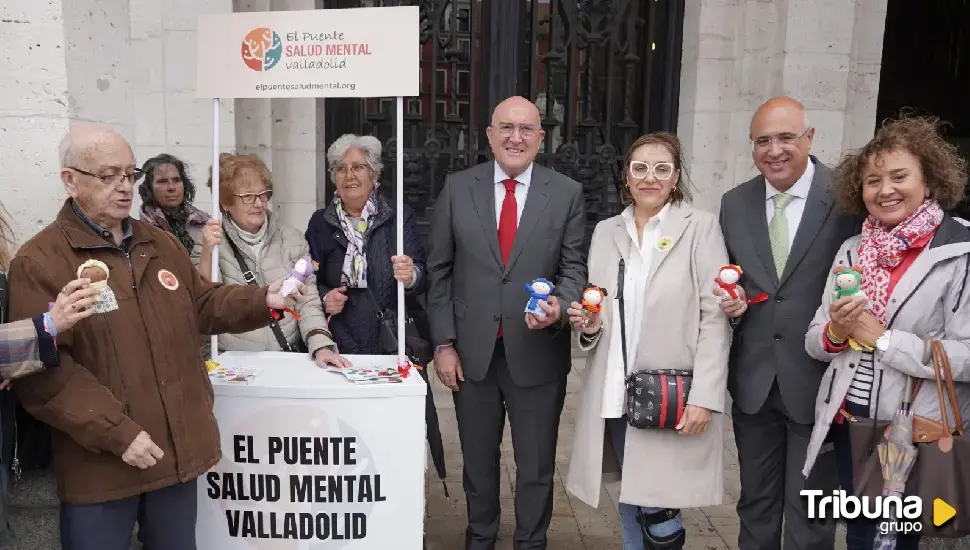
[(796, 207), (638, 263), (521, 192)]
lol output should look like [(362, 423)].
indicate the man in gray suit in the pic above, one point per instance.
[(782, 230), (497, 227)]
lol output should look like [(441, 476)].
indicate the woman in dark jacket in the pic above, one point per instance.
[(354, 241)]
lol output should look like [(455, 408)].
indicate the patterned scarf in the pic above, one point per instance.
[(881, 249), (176, 222), (354, 272)]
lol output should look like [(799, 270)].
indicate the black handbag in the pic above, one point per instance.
[(655, 398), (297, 347), (416, 347)]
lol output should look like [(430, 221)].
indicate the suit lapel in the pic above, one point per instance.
[(817, 208), (535, 205), (758, 225), (671, 230), (483, 196)]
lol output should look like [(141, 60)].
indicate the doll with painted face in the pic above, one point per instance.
[(727, 278), (98, 273), (301, 271), (593, 297), (539, 289), (848, 282)]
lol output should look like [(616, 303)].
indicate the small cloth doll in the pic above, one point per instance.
[(299, 273), (539, 289), (848, 282), (592, 303), (98, 272), (727, 278)]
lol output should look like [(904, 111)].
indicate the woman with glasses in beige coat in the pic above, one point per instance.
[(672, 253), (269, 249)]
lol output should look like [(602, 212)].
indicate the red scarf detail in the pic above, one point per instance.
[(881, 249)]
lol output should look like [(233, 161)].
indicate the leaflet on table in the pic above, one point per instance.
[(369, 376), (233, 375)]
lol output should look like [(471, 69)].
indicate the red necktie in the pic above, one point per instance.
[(507, 224)]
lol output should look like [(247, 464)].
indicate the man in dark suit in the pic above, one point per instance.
[(783, 231), (496, 227)]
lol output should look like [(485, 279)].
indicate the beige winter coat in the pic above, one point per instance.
[(682, 328), (282, 247)]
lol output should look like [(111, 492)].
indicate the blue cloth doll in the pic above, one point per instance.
[(539, 289)]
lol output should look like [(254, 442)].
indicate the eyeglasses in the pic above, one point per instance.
[(785, 139), (250, 198), (112, 179), (641, 170), (525, 130), (357, 169)]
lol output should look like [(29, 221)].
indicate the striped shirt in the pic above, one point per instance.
[(860, 389)]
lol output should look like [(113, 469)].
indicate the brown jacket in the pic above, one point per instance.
[(136, 368)]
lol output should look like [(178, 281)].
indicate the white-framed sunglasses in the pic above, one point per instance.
[(641, 170)]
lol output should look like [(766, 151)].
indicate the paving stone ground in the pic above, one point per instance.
[(576, 526)]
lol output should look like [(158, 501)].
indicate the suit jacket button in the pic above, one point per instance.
[(778, 300), (778, 337), (496, 318), (505, 281)]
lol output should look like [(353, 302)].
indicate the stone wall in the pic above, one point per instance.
[(738, 53)]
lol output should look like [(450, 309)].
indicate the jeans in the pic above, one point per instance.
[(632, 534)]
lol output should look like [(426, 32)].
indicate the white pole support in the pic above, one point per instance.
[(215, 205), (399, 218)]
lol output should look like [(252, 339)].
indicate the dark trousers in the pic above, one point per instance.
[(534, 417), (771, 455), (859, 533), (166, 521)]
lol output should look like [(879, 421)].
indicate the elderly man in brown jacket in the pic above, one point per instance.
[(131, 403)]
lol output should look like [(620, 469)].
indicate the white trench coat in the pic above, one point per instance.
[(682, 328)]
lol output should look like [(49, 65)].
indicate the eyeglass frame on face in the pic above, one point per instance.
[(250, 198), (357, 169), (785, 139), (652, 169), (136, 174), (507, 129)]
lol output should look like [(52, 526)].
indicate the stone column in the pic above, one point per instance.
[(170, 119), (63, 63), (739, 53)]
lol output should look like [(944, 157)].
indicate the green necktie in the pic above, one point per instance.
[(778, 232)]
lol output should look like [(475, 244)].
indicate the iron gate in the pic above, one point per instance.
[(602, 73)]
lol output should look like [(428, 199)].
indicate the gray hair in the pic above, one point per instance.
[(369, 145)]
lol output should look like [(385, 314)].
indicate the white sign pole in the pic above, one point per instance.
[(399, 218), (215, 205)]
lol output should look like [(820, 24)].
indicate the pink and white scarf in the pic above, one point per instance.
[(881, 249)]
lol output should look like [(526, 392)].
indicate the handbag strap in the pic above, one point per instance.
[(941, 368), (621, 275), (250, 278)]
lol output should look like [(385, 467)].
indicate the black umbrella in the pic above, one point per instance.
[(435, 443), (423, 357)]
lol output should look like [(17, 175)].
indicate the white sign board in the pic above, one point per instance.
[(362, 52), (311, 461)]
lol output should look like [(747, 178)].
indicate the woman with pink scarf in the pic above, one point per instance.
[(914, 261)]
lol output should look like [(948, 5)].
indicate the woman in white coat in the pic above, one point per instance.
[(672, 254), (914, 260)]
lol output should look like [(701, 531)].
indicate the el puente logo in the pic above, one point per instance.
[(262, 49)]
